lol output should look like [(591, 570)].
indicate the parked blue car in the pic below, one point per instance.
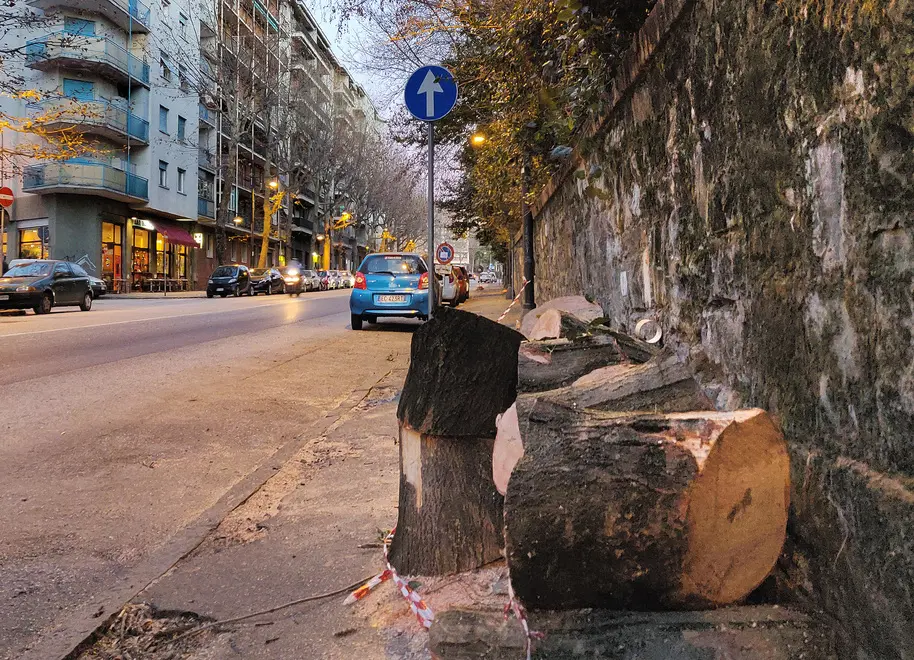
[(389, 284)]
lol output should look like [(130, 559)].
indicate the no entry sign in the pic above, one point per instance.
[(6, 197)]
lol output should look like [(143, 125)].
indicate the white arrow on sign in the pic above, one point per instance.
[(430, 87)]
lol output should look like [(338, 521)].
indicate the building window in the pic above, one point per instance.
[(33, 243), (163, 174), (182, 77), (182, 20), (182, 127), (112, 252), (81, 90), (165, 4), (181, 174), (164, 67), (163, 119)]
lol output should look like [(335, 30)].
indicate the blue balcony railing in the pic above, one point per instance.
[(207, 115), (138, 11), (93, 113), (206, 207), (90, 175), (86, 50)]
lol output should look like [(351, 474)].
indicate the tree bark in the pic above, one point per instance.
[(663, 384), (556, 324), (641, 511), (450, 515), (462, 375)]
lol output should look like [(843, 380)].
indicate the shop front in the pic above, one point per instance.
[(161, 257), (113, 256)]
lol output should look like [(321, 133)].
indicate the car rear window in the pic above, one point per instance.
[(225, 271), (400, 264)]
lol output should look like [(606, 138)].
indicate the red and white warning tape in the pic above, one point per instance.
[(422, 611), (514, 302)]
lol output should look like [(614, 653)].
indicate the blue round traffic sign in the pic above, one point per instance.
[(431, 93)]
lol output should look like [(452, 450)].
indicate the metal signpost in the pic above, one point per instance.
[(430, 94)]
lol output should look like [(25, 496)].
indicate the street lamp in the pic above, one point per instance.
[(238, 219), (478, 139), (274, 184)]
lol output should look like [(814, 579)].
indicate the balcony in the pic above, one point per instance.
[(207, 116), (130, 15), (86, 53), (206, 208), (85, 178), (96, 117), (206, 159)]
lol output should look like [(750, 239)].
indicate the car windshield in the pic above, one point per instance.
[(259, 272), (393, 264), (34, 269), (225, 271), (290, 270), (323, 273), (308, 273)]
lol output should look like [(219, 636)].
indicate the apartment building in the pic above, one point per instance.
[(165, 90), (103, 66)]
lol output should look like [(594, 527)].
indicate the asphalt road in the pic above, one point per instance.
[(66, 339), (122, 428)]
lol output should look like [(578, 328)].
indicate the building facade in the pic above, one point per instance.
[(151, 86)]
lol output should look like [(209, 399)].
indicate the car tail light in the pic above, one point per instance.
[(423, 281), (360, 281)]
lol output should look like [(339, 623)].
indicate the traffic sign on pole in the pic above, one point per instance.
[(6, 197), (431, 93), (444, 253)]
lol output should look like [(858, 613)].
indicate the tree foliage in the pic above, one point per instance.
[(531, 74)]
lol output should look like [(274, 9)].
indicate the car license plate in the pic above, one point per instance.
[(220, 289), (391, 299), (4, 297)]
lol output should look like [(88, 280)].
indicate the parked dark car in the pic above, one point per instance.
[(266, 280), (99, 286), (40, 284), (234, 279)]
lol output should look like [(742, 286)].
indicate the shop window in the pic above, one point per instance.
[(140, 251), (33, 243), (112, 252)]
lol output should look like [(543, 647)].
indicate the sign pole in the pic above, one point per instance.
[(432, 277)]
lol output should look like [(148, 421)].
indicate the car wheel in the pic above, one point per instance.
[(356, 321), (253, 293), (236, 292), (269, 291), (44, 307), (209, 294), (86, 303)]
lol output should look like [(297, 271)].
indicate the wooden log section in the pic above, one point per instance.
[(462, 375), (664, 384), (644, 511)]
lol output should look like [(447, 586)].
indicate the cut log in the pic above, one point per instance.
[(462, 375), (641, 511), (453, 350), (662, 385), (578, 306), (735, 633), (556, 324), (546, 365)]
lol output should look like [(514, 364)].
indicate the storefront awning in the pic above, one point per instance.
[(175, 235)]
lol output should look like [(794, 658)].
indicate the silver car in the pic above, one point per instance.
[(347, 279), (310, 280)]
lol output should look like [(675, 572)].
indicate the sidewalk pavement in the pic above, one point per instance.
[(312, 528)]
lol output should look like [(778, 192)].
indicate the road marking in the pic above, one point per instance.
[(156, 318)]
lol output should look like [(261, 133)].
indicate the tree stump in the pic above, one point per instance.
[(462, 375), (644, 511)]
